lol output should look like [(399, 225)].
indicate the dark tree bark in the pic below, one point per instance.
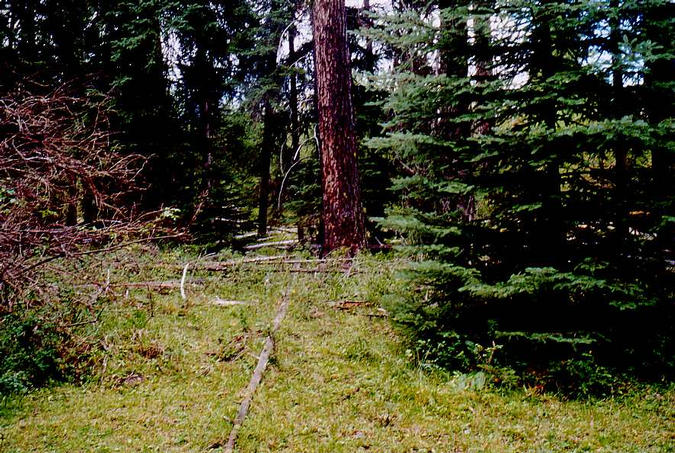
[(342, 212), (265, 159), (620, 152), (293, 100), (548, 247)]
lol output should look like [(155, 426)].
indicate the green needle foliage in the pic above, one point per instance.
[(520, 151), (530, 190)]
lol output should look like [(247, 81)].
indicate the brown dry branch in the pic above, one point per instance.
[(65, 190), (264, 261), (274, 244)]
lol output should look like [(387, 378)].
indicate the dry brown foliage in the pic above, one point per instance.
[(64, 187)]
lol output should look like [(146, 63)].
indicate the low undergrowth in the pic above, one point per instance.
[(30, 351), (165, 373), (534, 331)]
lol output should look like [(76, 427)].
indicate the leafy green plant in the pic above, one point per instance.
[(30, 350), (583, 377)]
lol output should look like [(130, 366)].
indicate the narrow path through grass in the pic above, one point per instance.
[(340, 381)]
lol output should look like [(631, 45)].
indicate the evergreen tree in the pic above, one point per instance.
[(209, 65), (535, 267)]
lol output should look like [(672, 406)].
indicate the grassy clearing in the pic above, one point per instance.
[(171, 376)]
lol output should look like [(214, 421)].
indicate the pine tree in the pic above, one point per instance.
[(342, 213)]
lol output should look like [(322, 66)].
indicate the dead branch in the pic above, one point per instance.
[(264, 357), (271, 260), (277, 244), (157, 285), (65, 190), (167, 284), (182, 282), (228, 303)]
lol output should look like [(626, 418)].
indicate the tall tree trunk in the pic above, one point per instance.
[(370, 58), (618, 108), (204, 122), (288, 153), (265, 159), (293, 99), (549, 238), (342, 212)]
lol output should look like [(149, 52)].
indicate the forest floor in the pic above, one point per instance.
[(172, 372)]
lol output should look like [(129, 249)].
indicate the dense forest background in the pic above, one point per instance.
[(520, 152)]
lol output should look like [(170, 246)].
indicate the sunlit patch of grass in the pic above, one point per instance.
[(170, 373)]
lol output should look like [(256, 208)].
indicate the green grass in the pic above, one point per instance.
[(170, 375)]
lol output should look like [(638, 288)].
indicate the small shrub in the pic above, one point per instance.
[(583, 377), (540, 323), (29, 348)]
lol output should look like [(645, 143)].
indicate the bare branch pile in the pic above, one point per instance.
[(63, 184)]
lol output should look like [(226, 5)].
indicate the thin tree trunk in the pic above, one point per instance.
[(368, 23), (265, 159), (288, 153), (342, 212), (620, 155), (293, 98), (549, 237), (205, 118)]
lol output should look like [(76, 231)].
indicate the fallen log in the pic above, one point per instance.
[(263, 359), (228, 303), (272, 260), (221, 265), (149, 284), (277, 244), (316, 270), (348, 304)]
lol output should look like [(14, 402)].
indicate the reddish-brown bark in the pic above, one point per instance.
[(342, 212)]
